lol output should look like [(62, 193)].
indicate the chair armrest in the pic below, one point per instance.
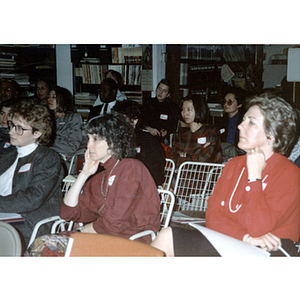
[(143, 233)]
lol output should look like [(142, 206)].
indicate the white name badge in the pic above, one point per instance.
[(25, 168), (111, 180), (6, 145), (138, 149), (222, 130), (163, 117), (201, 140)]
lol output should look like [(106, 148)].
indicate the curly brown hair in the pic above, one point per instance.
[(37, 116)]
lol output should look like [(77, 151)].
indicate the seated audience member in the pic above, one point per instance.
[(149, 150), (30, 174), (117, 77), (256, 199), (68, 134), (108, 92), (42, 90), (9, 90), (160, 114), (122, 199), (5, 119), (114, 193), (198, 141), (233, 104)]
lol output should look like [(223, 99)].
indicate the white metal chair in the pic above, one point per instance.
[(169, 172), (194, 184), (167, 201), (68, 181)]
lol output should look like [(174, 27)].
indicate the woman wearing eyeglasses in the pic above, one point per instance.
[(30, 174), (233, 104)]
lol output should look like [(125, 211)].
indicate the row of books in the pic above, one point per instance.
[(203, 52), (121, 55), (21, 79), (91, 73)]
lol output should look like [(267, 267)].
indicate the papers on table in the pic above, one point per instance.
[(228, 246), (181, 218), (11, 217)]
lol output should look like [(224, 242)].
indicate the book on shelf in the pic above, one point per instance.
[(121, 55)]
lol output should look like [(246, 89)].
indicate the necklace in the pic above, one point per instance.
[(106, 190)]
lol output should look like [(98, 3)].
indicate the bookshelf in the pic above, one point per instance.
[(26, 63), (201, 69), (91, 62)]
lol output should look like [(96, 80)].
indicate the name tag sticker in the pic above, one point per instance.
[(222, 130), (138, 149), (202, 140), (163, 117), (25, 168), (111, 180), (6, 145)]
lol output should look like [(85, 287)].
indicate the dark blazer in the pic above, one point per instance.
[(36, 188)]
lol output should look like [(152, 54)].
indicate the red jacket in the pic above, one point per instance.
[(237, 207), (132, 202)]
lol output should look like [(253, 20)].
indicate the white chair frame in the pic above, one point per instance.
[(169, 172), (195, 183), (167, 201)]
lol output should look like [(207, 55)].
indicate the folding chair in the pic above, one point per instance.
[(167, 201), (169, 172), (194, 184)]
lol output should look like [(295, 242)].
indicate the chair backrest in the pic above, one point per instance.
[(169, 172), (90, 244), (10, 241), (167, 201), (195, 183), (68, 181)]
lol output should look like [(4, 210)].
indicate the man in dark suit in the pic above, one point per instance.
[(108, 92)]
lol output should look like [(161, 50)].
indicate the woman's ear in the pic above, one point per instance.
[(37, 134)]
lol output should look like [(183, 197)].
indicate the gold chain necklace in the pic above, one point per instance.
[(104, 195)]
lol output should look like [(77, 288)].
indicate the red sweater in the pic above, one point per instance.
[(271, 205), (132, 203)]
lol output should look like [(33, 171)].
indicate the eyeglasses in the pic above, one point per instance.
[(228, 102), (19, 129)]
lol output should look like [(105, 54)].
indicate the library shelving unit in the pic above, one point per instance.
[(90, 63), (201, 69), (207, 69), (26, 63)]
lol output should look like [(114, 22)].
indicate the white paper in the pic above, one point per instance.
[(293, 67), (228, 246), (6, 216)]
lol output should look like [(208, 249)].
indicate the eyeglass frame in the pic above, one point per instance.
[(11, 125), (229, 101)]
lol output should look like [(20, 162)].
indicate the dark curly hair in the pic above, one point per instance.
[(116, 131), (130, 109), (279, 120), (37, 116)]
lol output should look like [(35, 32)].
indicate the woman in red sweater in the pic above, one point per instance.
[(257, 198)]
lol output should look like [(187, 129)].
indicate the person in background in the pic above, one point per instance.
[(5, 119), (68, 134), (149, 150), (31, 174), (160, 115), (42, 90), (234, 107), (117, 77), (9, 90), (198, 141), (108, 92), (256, 199)]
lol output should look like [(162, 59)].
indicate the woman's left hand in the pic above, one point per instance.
[(268, 242), (256, 162)]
